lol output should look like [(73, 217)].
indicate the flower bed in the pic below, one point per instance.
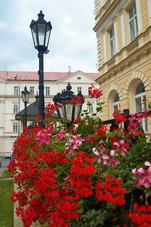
[(84, 175)]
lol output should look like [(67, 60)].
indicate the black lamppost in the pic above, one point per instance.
[(69, 105), (41, 30), (25, 97)]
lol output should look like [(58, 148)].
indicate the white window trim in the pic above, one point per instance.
[(112, 39), (115, 34), (123, 30), (139, 17), (104, 47), (149, 10), (133, 18)]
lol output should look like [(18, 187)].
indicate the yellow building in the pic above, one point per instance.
[(123, 31)]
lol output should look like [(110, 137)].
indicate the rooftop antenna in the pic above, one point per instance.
[(69, 68)]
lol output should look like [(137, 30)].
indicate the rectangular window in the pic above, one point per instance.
[(15, 127), (47, 90), (31, 90), (16, 90), (15, 109), (112, 40), (133, 23), (89, 91), (79, 89), (90, 108)]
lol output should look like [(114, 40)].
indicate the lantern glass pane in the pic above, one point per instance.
[(47, 35), (61, 111), (69, 108), (34, 35), (41, 33), (25, 96), (77, 111)]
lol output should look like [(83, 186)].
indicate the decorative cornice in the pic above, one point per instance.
[(144, 50), (109, 16)]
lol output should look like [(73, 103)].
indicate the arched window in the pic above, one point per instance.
[(140, 103), (114, 102)]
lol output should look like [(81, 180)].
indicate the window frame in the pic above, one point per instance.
[(16, 91), (79, 89), (47, 90), (133, 21), (32, 90), (15, 127), (112, 40), (15, 108)]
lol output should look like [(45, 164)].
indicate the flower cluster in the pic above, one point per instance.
[(43, 136), (111, 192), (141, 216), (95, 92), (121, 146), (80, 172), (50, 108), (105, 159), (135, 127), (73, 144), (69, 176), (119, 117), (77, 100)]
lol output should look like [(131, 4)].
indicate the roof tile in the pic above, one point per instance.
[(51, 76)]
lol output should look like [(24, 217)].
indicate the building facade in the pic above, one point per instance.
[(123, 31), (11, 85)]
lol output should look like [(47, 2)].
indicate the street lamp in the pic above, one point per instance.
[(41, 30), (69, 105), (25, 97)]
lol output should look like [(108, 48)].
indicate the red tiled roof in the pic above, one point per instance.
[(52, 76)]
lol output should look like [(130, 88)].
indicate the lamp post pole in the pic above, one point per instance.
[(25, 116), (41, 88)]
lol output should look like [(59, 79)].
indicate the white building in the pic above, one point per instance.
[(11, 85)]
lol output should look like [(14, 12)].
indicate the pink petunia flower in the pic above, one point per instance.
[(143, 176), (61, 135)]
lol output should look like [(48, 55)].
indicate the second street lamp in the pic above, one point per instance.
[(25, 97), (41, 30)]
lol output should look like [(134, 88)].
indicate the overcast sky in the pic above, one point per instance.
[(72, 42)]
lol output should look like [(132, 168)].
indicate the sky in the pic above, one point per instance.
[(72, 42)]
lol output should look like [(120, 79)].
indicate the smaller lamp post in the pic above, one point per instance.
[(25, 97), (69, 105)]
